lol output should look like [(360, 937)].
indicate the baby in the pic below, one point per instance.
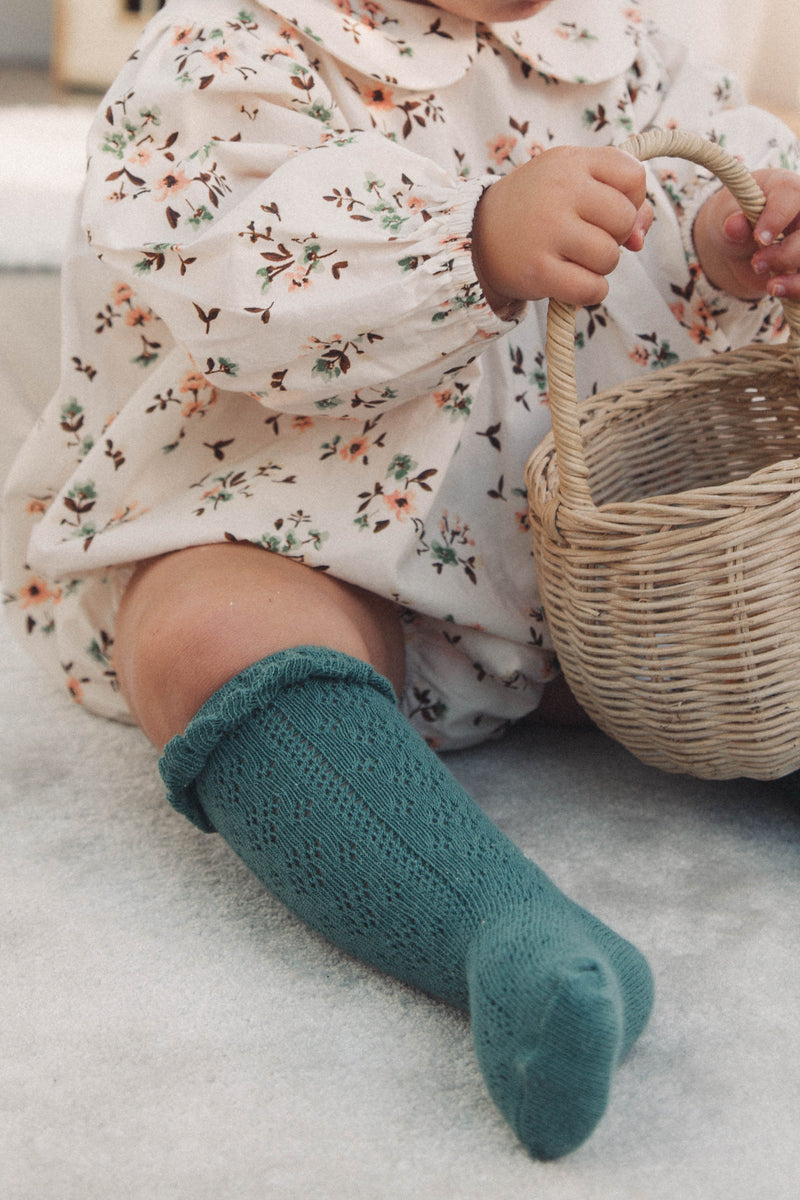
[(275, 514)]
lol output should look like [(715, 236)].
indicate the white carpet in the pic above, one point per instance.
[(169, 1031), (41, 170)]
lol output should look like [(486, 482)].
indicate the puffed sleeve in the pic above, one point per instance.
[(679, 92), (306, 263)]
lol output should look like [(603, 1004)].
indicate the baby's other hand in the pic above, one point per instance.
[(553, 227), (747, 262)]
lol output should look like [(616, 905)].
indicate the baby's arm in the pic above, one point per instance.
[(553, 228), (746, 262), (315, 267)]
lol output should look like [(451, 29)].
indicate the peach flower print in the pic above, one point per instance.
[(302, 423), (140, 157), (219, 57), (500, 148), (138, 316), (75, 689), (36, 591), (121, 293), (192, 381), (379, 97), (355, 449), (399, 503), (701, 329), (640, 356), (298, 279), (183, 35), (176, 181)]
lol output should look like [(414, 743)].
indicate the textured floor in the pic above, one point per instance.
[(170, 1031)]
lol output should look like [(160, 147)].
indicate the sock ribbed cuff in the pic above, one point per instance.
[(186, 755)]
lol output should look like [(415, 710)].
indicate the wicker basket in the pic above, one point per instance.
[(666, 530)]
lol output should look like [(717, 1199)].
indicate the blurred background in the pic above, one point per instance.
[(58, 56)]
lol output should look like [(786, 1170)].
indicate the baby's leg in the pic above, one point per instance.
[(192, 620), (299, 757)]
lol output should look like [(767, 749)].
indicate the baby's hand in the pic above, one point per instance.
[(553, 227), (750, 262)]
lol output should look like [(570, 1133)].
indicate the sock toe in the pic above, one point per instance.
[(549, 1026), (563, 1082)]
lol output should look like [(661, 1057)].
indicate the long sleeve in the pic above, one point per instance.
[(312, 265), (707, 100)]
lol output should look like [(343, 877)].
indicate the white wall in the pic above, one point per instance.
[(26, 31), (758, 39)]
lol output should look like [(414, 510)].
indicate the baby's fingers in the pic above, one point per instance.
[(781, 213), (784, 287), (644, 219), (780, 264)]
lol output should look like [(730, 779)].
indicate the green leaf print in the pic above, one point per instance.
[(81, 498), (390, 217), (455, 534), (401, 467), (656, 353), (319, 112), (446, 555), (200, 214), (70, 412)]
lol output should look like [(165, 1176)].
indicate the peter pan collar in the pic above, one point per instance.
[(577, 42), (396, 41), (419, 46)]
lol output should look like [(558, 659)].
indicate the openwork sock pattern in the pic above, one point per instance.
[(306, 767)]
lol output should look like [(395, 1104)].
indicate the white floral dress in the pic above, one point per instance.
[(274, 334)]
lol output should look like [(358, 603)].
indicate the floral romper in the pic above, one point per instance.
[(274, 333)]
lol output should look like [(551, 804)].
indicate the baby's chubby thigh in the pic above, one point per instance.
[(191, 620)]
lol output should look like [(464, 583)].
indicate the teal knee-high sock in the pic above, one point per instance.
[(306, 767)]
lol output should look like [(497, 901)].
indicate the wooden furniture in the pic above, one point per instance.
[(92, 39)]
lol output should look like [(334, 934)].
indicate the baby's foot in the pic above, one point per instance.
[(549, 1023)]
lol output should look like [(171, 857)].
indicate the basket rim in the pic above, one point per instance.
[(782, 357), (696, 506), (705, 503), (561, 330)]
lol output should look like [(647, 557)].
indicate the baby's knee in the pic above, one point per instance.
[(191, 621), (172, 650)]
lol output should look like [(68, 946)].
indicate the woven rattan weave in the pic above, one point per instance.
[(666, 532)]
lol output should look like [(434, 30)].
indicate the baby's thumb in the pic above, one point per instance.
[(738, 231)]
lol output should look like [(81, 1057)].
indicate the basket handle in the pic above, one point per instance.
[(655, 143)]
